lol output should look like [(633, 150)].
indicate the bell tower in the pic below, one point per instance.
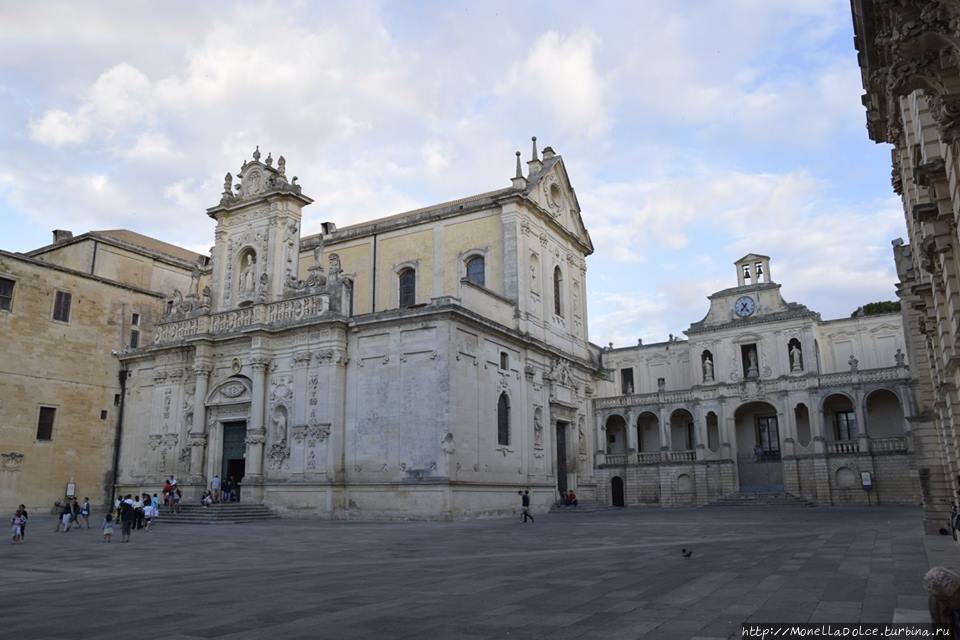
[(257, 243), (753, 269)]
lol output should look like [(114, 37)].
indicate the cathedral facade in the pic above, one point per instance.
[(428, 364)]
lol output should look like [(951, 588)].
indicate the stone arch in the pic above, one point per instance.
[(648, 432), (883, 412), (801, 416), (234, 390), (846, 478), (684, 483), (682, 437), (757, 434), (503, 419), (713, 431), (839, 417), (616, 428)]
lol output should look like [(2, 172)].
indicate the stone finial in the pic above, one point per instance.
[(518, 181), (256, 154), (639, 342), (269, 161), (228, 185), (282, 166), (519, 173), (533, 155)]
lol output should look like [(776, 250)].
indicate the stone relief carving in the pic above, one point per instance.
[(11, 461), (538, 428)]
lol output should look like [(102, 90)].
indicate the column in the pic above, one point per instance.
[(601, 439), (664, 419), (864, 441), (700, 437), (256, 432), (631, 427), (198, 434)]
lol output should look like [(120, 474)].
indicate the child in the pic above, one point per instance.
[(107, 527), (17, 522)]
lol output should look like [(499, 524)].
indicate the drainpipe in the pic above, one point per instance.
[(117, 437), (373, 288)]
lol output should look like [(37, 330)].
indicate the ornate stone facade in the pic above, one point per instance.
[(909, 54), (763, 396), (305, 374)]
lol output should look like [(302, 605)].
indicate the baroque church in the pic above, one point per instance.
[(429, 364)]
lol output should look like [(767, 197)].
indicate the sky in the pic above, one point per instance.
[(693, 132)]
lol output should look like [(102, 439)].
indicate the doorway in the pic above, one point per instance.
[(234, 452), (562, 458), (616, 491)]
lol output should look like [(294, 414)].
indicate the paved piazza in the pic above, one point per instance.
[(610, 574)]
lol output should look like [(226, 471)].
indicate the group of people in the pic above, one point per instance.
[(223, 491), (73, 514)]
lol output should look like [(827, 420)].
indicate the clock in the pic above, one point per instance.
[(744, 306)]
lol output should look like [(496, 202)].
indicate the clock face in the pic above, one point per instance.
[(744, 306)]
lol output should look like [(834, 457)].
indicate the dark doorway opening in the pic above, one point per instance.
[(616, 491), (234, 452), (562, 458)]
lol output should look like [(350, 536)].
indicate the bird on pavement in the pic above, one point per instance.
[(685, 553)]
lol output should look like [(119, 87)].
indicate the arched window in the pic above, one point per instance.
[(503, 420), (475, 270), (557, 287), (408, 287)]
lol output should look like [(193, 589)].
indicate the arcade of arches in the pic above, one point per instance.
[(822, 446)]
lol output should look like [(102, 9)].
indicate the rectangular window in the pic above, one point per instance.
[(768, 435), (504, 360), (626, 381), (103, 414), (6, 294), (846, 425), (45, 423), (135, 331), (61, 306)]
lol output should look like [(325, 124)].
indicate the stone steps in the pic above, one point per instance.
[(583, 507), (230, 513), (761, 499)]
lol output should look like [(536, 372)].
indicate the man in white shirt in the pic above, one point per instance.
[(215, 488)]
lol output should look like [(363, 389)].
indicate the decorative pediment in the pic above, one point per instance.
[(550, 188), (233, 390)]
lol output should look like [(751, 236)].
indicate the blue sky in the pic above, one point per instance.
[(694, 132)]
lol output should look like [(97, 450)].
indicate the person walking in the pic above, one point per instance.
[(525, 506), (23, 527), (63, 524), (85, 513), (127, 517), (17, 527), (74, 513), (228, 489), (107, 527)]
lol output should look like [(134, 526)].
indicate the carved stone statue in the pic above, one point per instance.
[(205, 297), (854, 363), (707, 369), (247, 278), (537, 429), (195, 280), (796, 359), (582, 438), (447, 443), (899, 357), (753, 370), (280, 425), (334, 267)]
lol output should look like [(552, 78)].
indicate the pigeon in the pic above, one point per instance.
[(685, 553)]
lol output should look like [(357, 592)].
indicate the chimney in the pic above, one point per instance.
[(328, 227), (61, 235)]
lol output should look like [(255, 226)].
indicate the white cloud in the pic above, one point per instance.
[(151, 145), (560, 73), (57, 128)]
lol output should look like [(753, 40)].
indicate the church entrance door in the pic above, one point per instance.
[(562, 458), (234, 451)]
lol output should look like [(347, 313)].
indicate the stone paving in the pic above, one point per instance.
[(612, 574)]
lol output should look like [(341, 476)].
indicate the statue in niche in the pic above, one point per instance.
[(582, 437), (707, 368), (899, 357), (195, 281), (796, 358), (753, 369), (537, 428), (280, 424), (854, 363), (447, 443), (205, 297), (247, 267)]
